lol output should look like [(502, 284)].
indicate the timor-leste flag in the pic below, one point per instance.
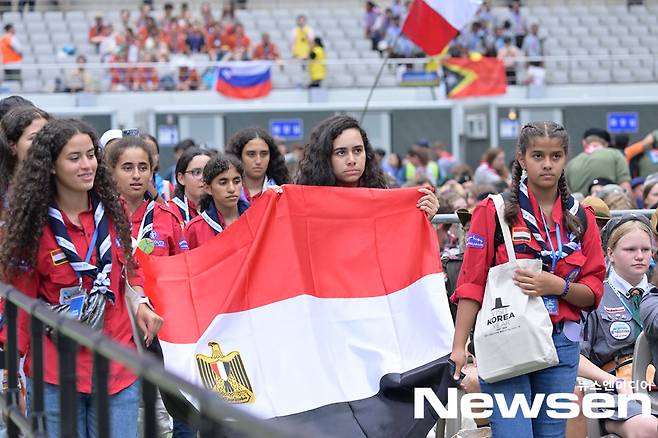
[(469, 78), (321, 307)]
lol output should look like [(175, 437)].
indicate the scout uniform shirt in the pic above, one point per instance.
[(586, 265), (167, 236)]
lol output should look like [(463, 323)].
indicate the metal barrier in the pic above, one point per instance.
[(451, 218), (213, 418)]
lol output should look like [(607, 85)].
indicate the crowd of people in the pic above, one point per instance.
[(596, 268)]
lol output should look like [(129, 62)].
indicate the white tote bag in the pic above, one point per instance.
[(513, 332)]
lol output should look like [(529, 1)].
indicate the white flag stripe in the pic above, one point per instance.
[(457, 13), (301, 337)]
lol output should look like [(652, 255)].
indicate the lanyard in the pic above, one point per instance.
[(92, 246), (555, 256)]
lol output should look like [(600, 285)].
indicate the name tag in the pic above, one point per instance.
[(74, 297), (551, 304)]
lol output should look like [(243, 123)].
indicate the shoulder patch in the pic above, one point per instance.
[(475, 241)]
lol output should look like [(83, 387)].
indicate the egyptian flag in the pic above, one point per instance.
[(474, 77), (321, 308), (244, 80), (432, 24)]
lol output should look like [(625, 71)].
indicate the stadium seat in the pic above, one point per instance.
[(579, 76), (11, 17), (643, 75), (600, 76), (622, 75), (32, 86), (557, 76), (51, 16)]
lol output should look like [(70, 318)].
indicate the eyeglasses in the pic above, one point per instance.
[(196, 173)]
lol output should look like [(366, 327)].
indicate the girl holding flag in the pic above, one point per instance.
[(546, 224), (264, 166), (221, 205), (66, 242), (190, 187), (155, 227), (339, 154)]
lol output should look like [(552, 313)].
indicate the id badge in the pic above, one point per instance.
[(74, 297), (551, 304)]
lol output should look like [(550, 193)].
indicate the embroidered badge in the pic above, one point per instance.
[(146, 245), (159, 243), (154, 234), (620, 330), (520, 234), (613, 309), (475, 241), (182, 244), (58, 257)]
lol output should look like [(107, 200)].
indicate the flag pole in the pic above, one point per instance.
[(379, 74)]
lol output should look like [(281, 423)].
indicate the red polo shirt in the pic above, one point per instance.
[(179, 215), (51, 275), (168, 237), (198, 232), (480, 253)]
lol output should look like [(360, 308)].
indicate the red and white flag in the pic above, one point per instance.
[(319, 307), (432, 24)]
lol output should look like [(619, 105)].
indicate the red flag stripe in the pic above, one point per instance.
[(323, 242), (427, 28)]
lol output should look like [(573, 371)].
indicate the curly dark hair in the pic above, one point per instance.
[(315, 167), (184, 161), (12, 126), (276, 168), (28, 206), (218, 164), (529, 132)]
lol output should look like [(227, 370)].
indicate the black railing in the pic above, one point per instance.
[(213, 419)]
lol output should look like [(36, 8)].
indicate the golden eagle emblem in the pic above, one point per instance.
[(225, 375)]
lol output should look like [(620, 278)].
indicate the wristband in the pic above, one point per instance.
[(567, 285)]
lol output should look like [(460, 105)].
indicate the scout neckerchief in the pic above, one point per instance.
[(93, 308), (146, 226), (246, 196), (216, 222), (183, 207), (548, 255), (628, 293)]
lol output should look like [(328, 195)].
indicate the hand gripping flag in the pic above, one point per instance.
[(432, 24), (321, 307), (469, 78), (244, 80)]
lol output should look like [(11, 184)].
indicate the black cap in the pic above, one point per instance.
[(600, 181), (601, 133)]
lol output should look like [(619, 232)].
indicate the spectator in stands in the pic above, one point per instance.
[(188, 78), (637, 187), (228, 15), (108, 43), (145, 78), (206, 16), (475, 39), (597, 185), (499, 38), (535, 74), (518, 23), (485, 15), (597, 159), (79, 79), (266, 49), (650, 192), (531, 43), (239, 43), (398, 44), (167, 73), (185, 13), (509, 54), (167, 18), (397, 8), (217, 42), (445, 160), (370, 21), (196, 39), (302, 35), (95, 34), (28, 3), (616, 198), (124, 21), (381, 26), (120, 77), (177, 38), (11, 52), (418, 168), (317, 68)]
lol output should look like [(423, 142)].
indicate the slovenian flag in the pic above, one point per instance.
[(244, 80), (321, 307), (432, 24)]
